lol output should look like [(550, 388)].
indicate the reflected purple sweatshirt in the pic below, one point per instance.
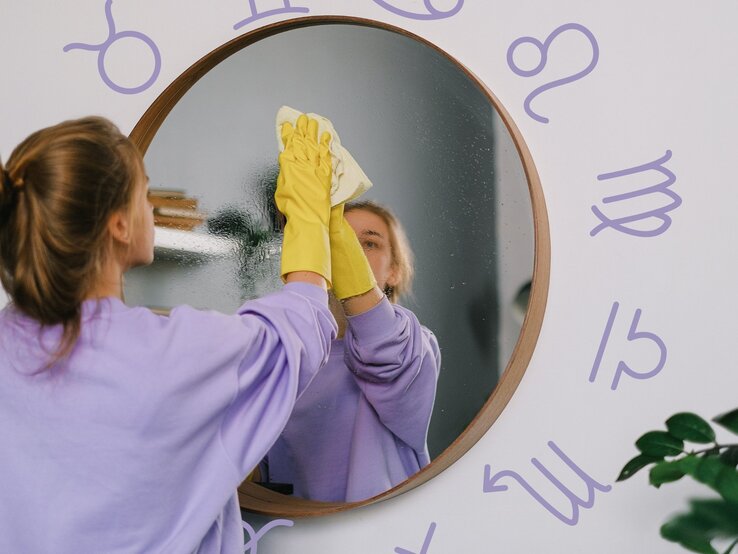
[(361, 426), (139, 442)]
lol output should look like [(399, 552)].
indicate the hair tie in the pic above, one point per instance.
[(7, 181), (6, 198)]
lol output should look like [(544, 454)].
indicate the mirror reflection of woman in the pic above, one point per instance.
[(361, 426)]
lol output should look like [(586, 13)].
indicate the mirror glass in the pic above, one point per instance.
[(436, 150)]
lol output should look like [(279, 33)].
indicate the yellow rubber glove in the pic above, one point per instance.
[(352, 275), (303, 195)]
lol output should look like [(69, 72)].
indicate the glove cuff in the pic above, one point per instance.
[(351, 273), (306, 249)]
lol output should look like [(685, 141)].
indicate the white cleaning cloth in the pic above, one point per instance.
[(348, 181)]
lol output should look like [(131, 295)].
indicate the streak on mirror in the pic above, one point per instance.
[(442, 155)]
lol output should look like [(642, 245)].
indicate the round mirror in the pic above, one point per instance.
[(443, 156)]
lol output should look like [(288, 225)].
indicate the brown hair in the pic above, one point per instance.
[(402, 255), (57, 193)]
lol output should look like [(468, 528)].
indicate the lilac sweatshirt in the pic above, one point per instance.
[(361, 426), (139, 442)]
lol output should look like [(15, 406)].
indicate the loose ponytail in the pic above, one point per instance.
[(60, 187)]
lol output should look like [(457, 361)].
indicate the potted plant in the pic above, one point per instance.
[(713, 465)]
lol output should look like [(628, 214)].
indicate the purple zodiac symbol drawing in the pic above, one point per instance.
[(102, 49), (256, 14), (254, 536), (426, 543), (542, 48), (633, 334), (660, 213), (490, 485), (432, 12)]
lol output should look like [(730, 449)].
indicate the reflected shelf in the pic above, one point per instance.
[(175, 243)]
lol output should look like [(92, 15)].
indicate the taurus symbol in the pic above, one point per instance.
[(102, 49)]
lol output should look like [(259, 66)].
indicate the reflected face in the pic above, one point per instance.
[(374, 237)]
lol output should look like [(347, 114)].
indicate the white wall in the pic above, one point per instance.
[(664, 80)]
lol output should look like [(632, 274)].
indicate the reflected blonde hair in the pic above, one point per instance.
[(402, 255), (59, 188)]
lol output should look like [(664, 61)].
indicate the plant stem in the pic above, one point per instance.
[(731, 546), (716, 448)]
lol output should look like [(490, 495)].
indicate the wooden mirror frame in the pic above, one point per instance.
[(258, 499)]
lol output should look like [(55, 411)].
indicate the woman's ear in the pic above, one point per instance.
[(119, 227), (393, 276)]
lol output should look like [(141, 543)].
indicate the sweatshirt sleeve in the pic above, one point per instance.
[(291, 335), (395, 362)]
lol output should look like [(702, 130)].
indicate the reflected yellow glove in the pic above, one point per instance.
[(303, 195), (352, 275)]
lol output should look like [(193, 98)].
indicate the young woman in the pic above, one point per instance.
[(361, 426), (121, 430)]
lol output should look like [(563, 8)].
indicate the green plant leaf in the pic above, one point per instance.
[(730, 456), (727, 484), (719, 515), (690, 427), (715, 474), (635, 465), (666, 472), (707, 519), (689, 532), (659, 444), (728, 420)]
